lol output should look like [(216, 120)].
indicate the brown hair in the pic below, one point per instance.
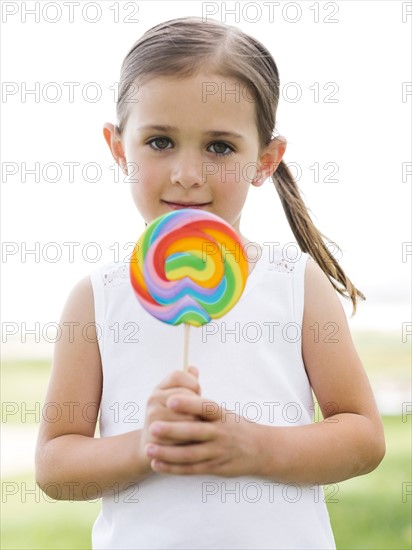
[(183, 46)]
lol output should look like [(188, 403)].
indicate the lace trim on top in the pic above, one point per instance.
[(116, 275), (282, 266)]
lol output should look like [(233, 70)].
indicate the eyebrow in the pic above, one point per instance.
[(212, 133)]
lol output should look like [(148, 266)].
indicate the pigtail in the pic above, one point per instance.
[(309, 239)]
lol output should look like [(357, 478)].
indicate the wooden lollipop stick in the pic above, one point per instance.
[(186, 348)]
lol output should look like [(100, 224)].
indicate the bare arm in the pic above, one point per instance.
[(67, 453)]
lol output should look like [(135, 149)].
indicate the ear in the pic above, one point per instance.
[(113, 140), (269, 160)]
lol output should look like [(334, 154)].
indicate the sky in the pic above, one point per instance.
[(345, 109)]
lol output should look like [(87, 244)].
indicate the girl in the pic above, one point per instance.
[(226, 455)]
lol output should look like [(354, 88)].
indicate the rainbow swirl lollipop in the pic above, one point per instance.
[(188, 267)]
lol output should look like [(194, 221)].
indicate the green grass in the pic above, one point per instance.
[(23, 382), (384, 353), (370, 512), (42, 523)]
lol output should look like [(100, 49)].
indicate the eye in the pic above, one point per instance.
[(161, 143), (222, 149)]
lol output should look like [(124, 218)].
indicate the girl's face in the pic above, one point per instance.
[(193, 142)]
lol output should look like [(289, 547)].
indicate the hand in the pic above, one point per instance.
[(214, 442), (177, 383)]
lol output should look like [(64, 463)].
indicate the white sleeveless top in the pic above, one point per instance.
[(249, 361)]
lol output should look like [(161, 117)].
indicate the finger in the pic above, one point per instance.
[(194, 371), (182, 432), (180, 454), (205, 408), (198, 468), (180, 379), (157, 409), (171, 418), (173, 414), (159, 397)]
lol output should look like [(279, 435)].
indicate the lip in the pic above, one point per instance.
[(178, 205)]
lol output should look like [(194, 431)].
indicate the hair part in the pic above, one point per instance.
[(184, 46)]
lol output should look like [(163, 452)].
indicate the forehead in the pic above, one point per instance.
[(204, 98), (202, 86)]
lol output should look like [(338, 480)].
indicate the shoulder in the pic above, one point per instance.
[(80, 301), (88, 296), (78, 320), (317, 283), (322, 302), (324, 319)]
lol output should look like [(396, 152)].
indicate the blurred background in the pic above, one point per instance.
[(345, 109)]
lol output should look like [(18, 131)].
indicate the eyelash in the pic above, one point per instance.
[(231, 150)]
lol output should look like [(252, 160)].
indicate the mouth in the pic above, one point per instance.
[(178, 205)]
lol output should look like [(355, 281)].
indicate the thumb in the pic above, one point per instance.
[(194, 371)]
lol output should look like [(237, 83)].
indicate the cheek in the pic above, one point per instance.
[(235, 173), (134, 191), (233, 180), (147, 187), (150, 174), (146, 175), (250, 171)]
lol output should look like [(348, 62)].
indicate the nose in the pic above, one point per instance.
[(187, 170)]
